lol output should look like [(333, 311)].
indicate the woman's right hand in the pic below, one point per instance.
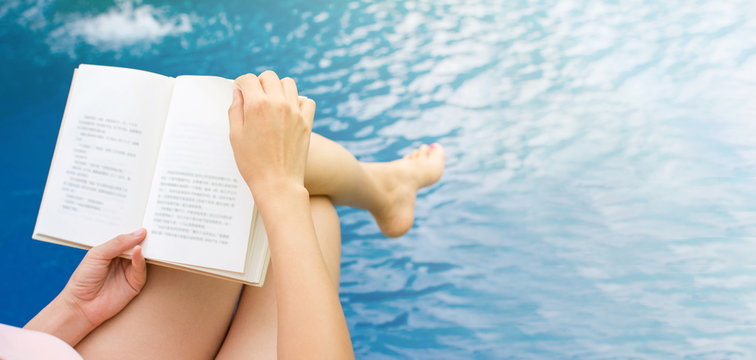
[(100, 287), (270, 132)]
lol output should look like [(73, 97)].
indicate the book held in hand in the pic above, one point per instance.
[(138, 149)]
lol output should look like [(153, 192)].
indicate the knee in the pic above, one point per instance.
[(328, 231), (321, 206)]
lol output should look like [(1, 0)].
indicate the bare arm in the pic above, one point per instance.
[(270, 132)]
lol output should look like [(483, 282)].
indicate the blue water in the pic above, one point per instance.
[(599, 196)]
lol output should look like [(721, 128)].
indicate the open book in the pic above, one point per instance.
[(138, 149)]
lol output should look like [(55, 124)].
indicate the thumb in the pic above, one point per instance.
[(117, 245), (236, 113), (307, 109), (136, 274)]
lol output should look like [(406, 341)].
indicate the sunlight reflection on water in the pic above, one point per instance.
[(598, 197)]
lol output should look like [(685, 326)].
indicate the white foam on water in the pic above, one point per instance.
[(7, 6), (122, 26)]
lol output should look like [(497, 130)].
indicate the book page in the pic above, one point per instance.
[(107, 147), (257, 259), (200, 209)]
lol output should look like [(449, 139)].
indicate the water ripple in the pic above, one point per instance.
[(597, 202)]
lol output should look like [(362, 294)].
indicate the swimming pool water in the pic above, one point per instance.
[(599, 196)]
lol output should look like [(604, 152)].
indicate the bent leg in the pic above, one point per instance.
[(334, 172), (386, 189), (253, 331), (178, 315), (183, 315)]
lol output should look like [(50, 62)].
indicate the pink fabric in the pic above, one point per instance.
[(22, 344)]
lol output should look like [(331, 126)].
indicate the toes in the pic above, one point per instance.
[(436, 148), (423, 150)]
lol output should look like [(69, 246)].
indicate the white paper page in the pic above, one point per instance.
[(106, 152), (200, 210), (256, 259)]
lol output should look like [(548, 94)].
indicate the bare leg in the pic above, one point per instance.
[(333, 171), (178, 315), (253, 331), (385, 189), (186, 316)]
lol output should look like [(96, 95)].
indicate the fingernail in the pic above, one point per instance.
[(138, 232), (433, 146)]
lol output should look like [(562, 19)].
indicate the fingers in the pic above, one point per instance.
[(271, 84), (290, 90), (137, 275), (236, 112), (307, 109), (117, 245), (267, 83), (250, 86)]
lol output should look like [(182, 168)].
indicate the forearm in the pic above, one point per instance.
[(61, 320), (310, 319)]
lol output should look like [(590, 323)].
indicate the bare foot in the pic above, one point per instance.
[(399, 181)]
